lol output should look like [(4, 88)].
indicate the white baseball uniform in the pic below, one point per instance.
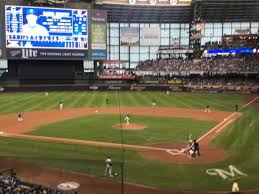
[(61, 105), (127, 119), (235, 187), (108, 168)]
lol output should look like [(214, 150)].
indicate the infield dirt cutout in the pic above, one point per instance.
[(97, 185), (172, 152), (94, 185)]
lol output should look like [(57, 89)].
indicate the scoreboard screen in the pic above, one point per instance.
[(46, 28)]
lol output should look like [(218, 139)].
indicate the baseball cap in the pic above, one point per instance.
[(30, 11)]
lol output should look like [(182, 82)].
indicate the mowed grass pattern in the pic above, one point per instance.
[(24, 102), (239, 139), (99, 128)]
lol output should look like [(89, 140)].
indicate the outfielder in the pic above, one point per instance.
[(127, 119), (108, 168)]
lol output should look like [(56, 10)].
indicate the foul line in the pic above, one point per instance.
[(225, 120), (229, 122), (250, 102), (81, 142), (173, 152)]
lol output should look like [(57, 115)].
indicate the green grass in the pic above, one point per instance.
[(21, 102), (99, 128), (239, 139), (90, 160)]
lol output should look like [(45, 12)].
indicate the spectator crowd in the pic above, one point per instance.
[(216, 65), (10, 184), (235, 42)]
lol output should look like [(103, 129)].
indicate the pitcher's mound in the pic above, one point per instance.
[(131, 126)]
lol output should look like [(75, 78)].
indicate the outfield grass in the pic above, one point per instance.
[(99, 128), (21, 102), (240, 139)]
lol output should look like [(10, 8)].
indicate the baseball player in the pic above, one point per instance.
[(235, 187), (153, 103), (61, 105), (107, 101), (167, 92), (127, 119), (207, 109), (108, 168), (236, 106), (189, 149), (46, 93), (196, 148), (20, 119)]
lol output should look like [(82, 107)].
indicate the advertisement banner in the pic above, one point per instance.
[(130, 36), (45, 54), (120, 77), (99, 34), (150, 36)]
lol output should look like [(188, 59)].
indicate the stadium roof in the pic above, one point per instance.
[(230, 10), (211, 11), (147, 14)]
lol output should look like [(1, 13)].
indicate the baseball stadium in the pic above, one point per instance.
[(129, 96)]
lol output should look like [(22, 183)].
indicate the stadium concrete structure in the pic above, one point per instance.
[(129, 96)]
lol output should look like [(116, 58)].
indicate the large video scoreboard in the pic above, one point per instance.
[(37, 32)]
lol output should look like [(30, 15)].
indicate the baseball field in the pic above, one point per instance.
[(77, 139)]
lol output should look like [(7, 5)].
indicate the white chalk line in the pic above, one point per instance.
[(225, 120), (173, 152), (252, 123), (229, 122), (250, 102)]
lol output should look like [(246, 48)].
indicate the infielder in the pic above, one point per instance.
[(20, 119), (127, 119), (236, 106), (61, 105), (207, 109), (153, 103), (108, 168)]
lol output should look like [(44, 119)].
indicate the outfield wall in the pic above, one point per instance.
[(132, 87)]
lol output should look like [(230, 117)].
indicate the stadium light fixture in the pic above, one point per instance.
[(152, 2), (132, 2), (173, 2)]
